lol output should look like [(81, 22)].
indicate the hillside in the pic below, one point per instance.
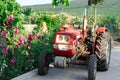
[(108, 7)]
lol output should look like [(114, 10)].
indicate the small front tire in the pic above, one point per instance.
[(43, 63), (92, 67)]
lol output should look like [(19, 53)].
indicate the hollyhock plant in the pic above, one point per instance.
[(22, 39), (30, 37), (4, 51), (12, 61), (16, 31)]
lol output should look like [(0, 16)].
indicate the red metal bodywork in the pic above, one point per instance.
[(101, 29), (72, 33)]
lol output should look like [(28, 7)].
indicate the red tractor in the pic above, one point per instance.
[(74, 44)]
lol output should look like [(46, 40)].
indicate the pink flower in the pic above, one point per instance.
[(39, 36), (16, 31), (17, 46), (11, 17), (29, 47), (22, 39), (8, 22), (3, 33), (12, 61), (4, 51), (30, 37), (10, 25), (4, 36), (1, 45)]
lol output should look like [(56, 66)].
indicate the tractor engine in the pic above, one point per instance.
[(81, 48), (69, 42)]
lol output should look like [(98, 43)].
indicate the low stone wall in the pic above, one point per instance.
[(26, 76)]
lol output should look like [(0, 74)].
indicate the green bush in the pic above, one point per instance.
[(111, 22), (17, 53)]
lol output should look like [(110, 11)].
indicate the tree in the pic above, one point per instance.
[(94, 2), (28, 11), (30, 15), (64, 2)]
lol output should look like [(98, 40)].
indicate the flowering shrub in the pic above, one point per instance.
[(10, 39), (19, 53)]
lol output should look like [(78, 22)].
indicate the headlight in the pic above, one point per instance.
[(63, 38), (67, 38), (60, 38)]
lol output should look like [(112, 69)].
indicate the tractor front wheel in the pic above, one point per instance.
[(92, 66), (43, 63)]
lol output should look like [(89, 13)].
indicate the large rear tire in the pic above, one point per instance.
[(103, 49), (43, 63), (92, 66)]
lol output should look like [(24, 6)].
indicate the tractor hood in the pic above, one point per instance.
[(70, 32)]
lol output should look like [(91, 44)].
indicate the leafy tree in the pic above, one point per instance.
[(64, 2), (28, 11), (94, 2), (30, 16)]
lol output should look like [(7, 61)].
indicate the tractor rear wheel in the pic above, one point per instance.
[(103, 49), (92, 66), (43, 63)]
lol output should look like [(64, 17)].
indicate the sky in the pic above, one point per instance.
[(32, 2)]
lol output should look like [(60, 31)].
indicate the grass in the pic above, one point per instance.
[(108, 7)]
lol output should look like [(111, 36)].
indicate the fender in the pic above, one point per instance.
[(101, 29)]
